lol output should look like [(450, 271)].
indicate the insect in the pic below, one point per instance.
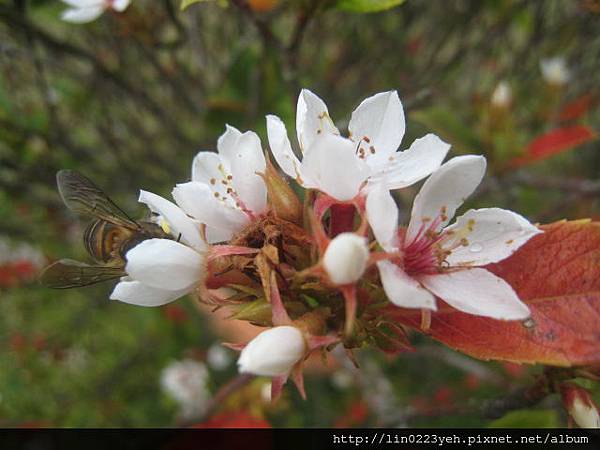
[(107, 238)]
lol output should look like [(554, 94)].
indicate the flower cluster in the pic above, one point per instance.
[(317, 263)]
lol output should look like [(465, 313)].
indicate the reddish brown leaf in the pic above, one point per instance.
[(557, 274), (553, 142), (576, 108)]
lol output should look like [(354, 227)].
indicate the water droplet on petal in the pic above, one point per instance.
[(475, 248)]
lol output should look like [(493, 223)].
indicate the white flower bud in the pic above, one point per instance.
[(502, 95), (580, 406), (555, 70), (273, 352), (346, 258)]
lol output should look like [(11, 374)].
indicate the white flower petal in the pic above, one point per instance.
[(205, 167), (333, 167), (227, 141), (136, 293), (82, 15), (215, 235), (584, 412), (179, 222), (198, 201), (401, 289), (382, 214), (165, 264), (492, 234), (405, 168), (273, 352), (379, 119), (246, 159), (477, 291), (444, 191), (281, 147), (312, 119), (346, 258), (120, 5)]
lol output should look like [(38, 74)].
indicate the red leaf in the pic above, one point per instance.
[(557, 274), (553, 142), (576, 108)]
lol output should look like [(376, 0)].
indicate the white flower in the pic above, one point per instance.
[(555, 70), (341, 166), (502, 95), (186, 382), (225, 192), (584, 413), (83, 11), (436, 259), (346, 257), (580, 405), (162, 270), (273, 352)]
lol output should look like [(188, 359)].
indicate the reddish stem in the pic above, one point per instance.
[(341, 218)]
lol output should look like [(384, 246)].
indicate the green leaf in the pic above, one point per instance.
[(527, 418), (186, 3), (366, 6)]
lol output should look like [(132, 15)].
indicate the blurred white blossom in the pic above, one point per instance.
[(218, 357), (186, 381), (502, 95), (555, 70)]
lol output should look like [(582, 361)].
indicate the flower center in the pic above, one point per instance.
[(224, 191), (426, 254), (364, 148)]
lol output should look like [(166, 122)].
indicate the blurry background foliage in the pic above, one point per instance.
[(130, 98)]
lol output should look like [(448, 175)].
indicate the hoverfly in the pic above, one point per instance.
[(107, 238)]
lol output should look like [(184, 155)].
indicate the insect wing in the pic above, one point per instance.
[(68, 273), (82, 196)]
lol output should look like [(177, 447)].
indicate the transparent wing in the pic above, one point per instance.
[(67, 273), (82, 196)]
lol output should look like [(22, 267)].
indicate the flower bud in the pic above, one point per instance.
[(580, 405), (555, 71), (346, 258), (502, 95), (282, 197), (273, 352)]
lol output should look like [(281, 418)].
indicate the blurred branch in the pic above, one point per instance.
[(261, 25), (16, 21), (174, 18), (460, 361), (582, 187), (493, 408), (303, 19)]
